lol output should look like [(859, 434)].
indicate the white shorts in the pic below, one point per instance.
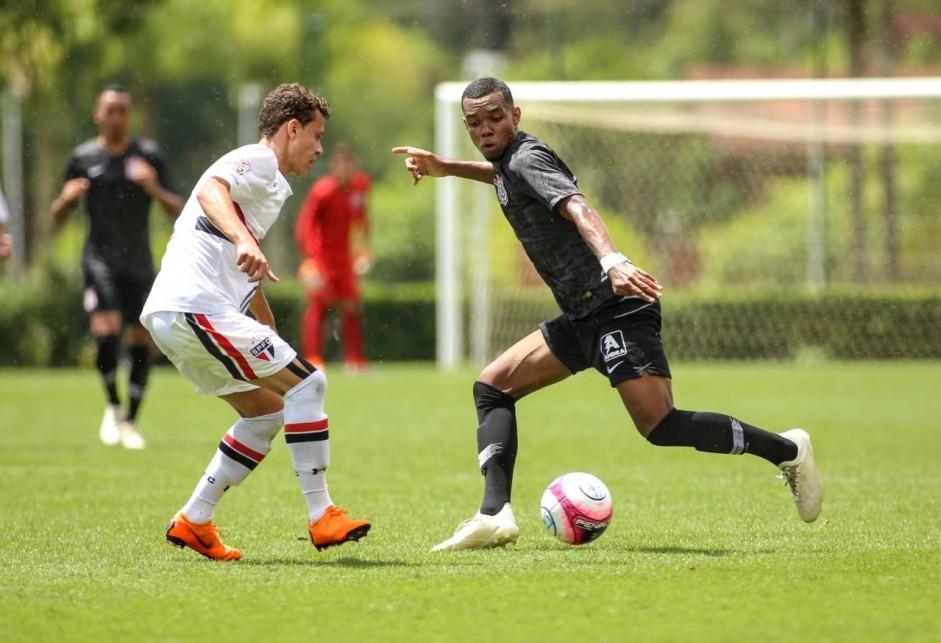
[(219, 353)]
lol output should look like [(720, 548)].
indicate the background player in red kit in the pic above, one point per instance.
[(331, 232)]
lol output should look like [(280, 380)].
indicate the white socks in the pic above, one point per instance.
[(308, 440), (247, 443), (242, 449)]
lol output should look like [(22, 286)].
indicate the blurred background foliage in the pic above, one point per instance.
[(378, 62)]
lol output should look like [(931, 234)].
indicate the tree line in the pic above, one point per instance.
[(378, 63)]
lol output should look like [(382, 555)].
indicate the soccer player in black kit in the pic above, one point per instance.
[(610, 322), (119, 176)]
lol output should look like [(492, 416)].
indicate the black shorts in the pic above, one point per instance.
[(618, 343), (108, 289)]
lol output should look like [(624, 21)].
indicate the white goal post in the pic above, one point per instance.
[(457, 203)]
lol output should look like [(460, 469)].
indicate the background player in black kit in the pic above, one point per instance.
[(119, 177), (610, 321)]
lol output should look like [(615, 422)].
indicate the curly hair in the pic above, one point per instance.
[(486, 86), (288, 101)]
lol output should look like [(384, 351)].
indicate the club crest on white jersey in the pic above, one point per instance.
[(239, 166)]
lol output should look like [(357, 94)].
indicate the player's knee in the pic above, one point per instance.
[(310, 390), (487, 397), (673, 430)]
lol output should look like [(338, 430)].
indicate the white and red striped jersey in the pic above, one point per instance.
[(198, 273)]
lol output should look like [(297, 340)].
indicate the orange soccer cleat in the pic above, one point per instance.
[(335, 527), (203, 539)]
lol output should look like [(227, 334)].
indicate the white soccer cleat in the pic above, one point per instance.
[(801, 475), (483, 532), (130, 435), (109, 431)]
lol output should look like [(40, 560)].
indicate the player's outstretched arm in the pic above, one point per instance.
[(421, 163)]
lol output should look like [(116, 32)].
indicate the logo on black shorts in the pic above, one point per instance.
[(613, 346), (263, 349)]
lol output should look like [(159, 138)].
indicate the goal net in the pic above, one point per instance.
[(768, 209)]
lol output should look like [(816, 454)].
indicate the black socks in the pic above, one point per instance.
[(140, 371), (719, 433), (107, 363), (496, 445)]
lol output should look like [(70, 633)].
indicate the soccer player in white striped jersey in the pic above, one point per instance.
[(210, 279)]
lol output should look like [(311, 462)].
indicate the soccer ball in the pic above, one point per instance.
[(576, 508)]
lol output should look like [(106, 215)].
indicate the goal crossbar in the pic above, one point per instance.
[(711, 90)]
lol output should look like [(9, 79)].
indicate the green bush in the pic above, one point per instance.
[(792, 326), (42, 324), (399, 320)]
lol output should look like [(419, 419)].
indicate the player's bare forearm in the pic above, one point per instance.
[(260, 309), (475, 170), (421, 163), (6, 242), (171, 202), (626, 279), (72, 191), (61, 209), (589, 223)]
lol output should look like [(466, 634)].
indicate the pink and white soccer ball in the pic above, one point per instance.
[(576, 508)]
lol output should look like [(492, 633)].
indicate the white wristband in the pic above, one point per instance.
[(612, 259)]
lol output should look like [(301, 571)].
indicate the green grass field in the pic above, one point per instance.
[(702, 547)]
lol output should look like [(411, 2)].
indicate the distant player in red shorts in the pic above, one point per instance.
[(331, 231)]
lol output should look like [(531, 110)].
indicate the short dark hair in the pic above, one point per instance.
[(286, 102), (117, 89), (114, 87), (486, 86)]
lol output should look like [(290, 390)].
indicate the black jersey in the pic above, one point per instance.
[(117, 207), (531, 180)]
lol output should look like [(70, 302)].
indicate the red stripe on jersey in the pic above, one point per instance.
[(241, 215), (241, 448), (306, 427), (227, 346)]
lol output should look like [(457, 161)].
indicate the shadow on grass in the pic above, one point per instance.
[(343, 563), (551, 548), (712, 553)]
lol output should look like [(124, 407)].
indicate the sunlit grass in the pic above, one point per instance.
[(702, 547)]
